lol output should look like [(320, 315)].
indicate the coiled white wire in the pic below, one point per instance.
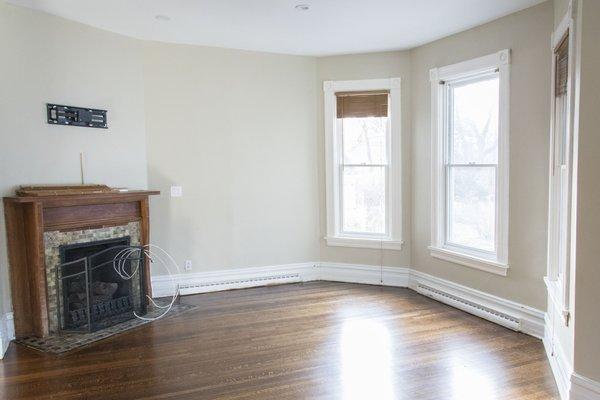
[(154, 253)]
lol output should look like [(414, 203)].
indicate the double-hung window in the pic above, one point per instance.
[(562, 165), (470, 162), (362, 126)]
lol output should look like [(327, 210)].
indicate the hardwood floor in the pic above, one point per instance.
[(317, 340)]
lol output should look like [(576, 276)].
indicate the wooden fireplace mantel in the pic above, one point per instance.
[(28, 217)]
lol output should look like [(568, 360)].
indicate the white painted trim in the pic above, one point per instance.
[(554, 291), (469, 261), (561, 367), (560, 284), (529, 320), (364, 243), (236, 278), (504, 312), (361, 273), (471, 67), (394, 201), (583, 388), (438, 77), (7, 332)]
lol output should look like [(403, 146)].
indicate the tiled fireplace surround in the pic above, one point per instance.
[(54, 239)]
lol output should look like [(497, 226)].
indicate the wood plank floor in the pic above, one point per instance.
[(317, 340)]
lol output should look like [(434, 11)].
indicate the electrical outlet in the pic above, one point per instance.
[(176, 191), (188, 265)]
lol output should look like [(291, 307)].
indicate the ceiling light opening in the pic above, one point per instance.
[(302, 7), (163, 18)]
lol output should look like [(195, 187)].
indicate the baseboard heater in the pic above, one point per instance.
[(470, 307), (199, 287)]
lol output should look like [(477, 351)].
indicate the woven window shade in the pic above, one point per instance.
[(562, 67), (362, 104)]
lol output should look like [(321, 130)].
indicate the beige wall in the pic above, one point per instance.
[(527, 34), (366, 66), (236, 130), (587, 291), (49, 59), (254, 185), (560, 9)]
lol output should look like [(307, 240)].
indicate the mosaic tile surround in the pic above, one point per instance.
[(54, 239)]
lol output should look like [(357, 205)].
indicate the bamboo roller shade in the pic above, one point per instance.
[(362, 104), (562, 67)]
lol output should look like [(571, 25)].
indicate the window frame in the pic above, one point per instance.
[(336, 236), (559, 284), (494, 262)]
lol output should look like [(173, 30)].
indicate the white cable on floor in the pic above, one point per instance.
[(153, 252)]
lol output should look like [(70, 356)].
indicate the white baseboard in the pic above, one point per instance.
[(583, 388), (7, 332), (368, 274), (493, 308), (504, 312), (238, 278)]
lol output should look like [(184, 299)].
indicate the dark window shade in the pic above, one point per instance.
[(362, 104), (562, 66)]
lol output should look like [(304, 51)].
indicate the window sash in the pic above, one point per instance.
[(462, 247), (448, 164), (341, 165), (377, 235)]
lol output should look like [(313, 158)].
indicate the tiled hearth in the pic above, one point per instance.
[(65, 342)]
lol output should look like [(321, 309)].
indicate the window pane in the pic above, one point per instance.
[(474, 129), (364, 199), (364, 140), (472, 207)]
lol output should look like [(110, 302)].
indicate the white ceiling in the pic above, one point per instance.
[(328, 27)]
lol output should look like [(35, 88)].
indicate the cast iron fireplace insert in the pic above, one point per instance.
[(91, 294)]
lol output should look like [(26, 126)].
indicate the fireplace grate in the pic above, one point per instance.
[(102, 310), (91, 293)]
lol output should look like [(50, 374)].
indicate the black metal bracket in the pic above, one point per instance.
[(76, 116)]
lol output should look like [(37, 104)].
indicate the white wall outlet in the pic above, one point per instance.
[(176, 191), (188, 265)]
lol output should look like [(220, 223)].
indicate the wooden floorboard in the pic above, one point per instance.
[(319, 340)]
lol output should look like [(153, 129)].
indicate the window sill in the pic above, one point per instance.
[(469, 261), (364, 243)]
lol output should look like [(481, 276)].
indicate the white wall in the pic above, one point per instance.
[(236, 129), (527, 34), (367, 66), (49, 59)]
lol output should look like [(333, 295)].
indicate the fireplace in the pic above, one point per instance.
[(93, 290), (40, 227)]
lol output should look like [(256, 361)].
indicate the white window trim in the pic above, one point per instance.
[(559, 286), (439, 249), (394, 218)]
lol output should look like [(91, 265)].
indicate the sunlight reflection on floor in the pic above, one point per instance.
[(366, 360), (469, 383)]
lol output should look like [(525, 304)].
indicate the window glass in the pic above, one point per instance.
[(364, 199), (472, 207), (474, 122), (364, 140), (472, 126)]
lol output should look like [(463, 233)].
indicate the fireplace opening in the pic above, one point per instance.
[(92, 295)]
